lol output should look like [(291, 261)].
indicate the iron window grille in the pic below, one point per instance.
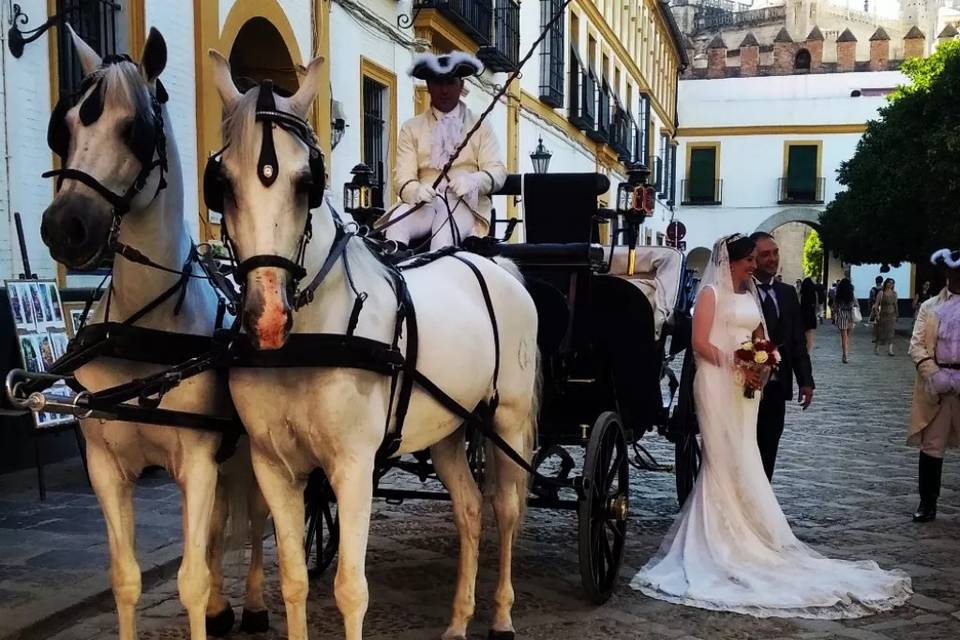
[(96, 23), (503, 55), (582, 107), (374, 143), (474, 17), (551, 56)]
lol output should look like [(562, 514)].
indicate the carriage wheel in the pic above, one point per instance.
[(604, 504), (322, 535), (687, 465)]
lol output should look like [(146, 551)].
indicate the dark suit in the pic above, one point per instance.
[(786, 329)]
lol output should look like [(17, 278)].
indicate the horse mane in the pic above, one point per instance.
[(123, 86)]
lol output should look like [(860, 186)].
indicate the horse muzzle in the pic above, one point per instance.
[(267, 312), (76, 229)]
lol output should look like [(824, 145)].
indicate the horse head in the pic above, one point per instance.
[(109, 136), (265, 181)]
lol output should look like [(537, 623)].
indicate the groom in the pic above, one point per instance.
[(781, 310)]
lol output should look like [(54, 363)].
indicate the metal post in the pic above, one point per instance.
[(27, 274)]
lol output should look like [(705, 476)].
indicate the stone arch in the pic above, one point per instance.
[(801, 62), (697, 259), (805, 215)]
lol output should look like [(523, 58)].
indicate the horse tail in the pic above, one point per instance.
[(238, 480), (510, 267)]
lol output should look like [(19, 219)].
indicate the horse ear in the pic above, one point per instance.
[(90, 60), (153, 60), (223, 79), (300, 101)]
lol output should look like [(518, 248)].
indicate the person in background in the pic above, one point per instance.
[(922, 296), (821, 301), (831, 301), (797, 285), (808, 311), (886, 310), (935, 351), (843, 302), (874, 290)]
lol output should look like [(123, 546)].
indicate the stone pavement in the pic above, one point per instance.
[(846, 481), (53, 555)]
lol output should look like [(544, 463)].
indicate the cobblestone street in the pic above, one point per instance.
[(845, 478)]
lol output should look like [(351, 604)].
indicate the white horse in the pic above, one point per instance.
[(335, 418), (109, 135)]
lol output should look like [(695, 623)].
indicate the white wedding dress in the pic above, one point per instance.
[(731, 549)]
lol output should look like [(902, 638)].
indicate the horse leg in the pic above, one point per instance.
[(285, 499), (220, 616), (256, 618), (353, 485), (115, 494), (199, 486), (450, 461), (509, 504)]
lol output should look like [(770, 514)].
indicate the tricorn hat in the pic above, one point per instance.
[(457, 64), (947, 257)]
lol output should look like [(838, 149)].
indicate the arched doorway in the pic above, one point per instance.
[(697, 260), (792, 228), (259, 52)]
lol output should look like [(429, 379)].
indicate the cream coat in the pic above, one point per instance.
[(923, 347), (482, 153)]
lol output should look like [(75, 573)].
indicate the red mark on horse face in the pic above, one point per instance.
[(267, 314)]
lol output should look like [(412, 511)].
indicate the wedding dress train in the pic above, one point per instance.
[(732, 549)]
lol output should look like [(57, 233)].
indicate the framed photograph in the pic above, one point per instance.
[(73, 314)]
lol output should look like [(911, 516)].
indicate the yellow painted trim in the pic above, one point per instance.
[(421, 99), (430, 22), (206, 20), (770, 130), (372, 70), (54, 76), (244, 10), (136, 26), (513, 137), (803, 143), (321, 107)]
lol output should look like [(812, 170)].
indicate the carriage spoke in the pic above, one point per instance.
[(618, 535), (612, 472)]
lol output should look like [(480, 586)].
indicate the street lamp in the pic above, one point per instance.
[(540, 158)]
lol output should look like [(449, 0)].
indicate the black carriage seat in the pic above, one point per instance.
[(658, 275)]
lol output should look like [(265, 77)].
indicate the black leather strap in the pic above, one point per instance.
[(269, 260), (321, 350)]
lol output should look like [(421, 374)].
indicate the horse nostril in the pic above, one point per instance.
[(75, 231)]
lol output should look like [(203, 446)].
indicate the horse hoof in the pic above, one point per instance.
[(255, 621), (501, 635), (221, 624)]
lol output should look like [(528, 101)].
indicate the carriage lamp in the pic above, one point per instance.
[(338, 123), (357, 193), (540, 158), (635, 202)]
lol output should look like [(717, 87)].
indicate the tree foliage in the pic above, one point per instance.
[(813, 257), (903, 182)]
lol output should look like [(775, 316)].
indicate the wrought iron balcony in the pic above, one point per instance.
[(503, 55), (603, 129), (702, 192), (474, 17), (582, 110), (621, 134), (801, 191)]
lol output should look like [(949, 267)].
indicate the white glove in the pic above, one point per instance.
[(421, 192), (467, 184)]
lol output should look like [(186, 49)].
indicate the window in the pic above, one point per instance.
[(643, 130), (660, 239), (702, 185), (374, 134), (97, 24), (661, 164), (801, 182), (551, 54)]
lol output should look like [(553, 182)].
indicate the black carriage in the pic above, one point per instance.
[(607, 334)]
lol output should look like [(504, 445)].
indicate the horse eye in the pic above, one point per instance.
[(304, 184)]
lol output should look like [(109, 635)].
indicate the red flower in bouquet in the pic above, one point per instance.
[(759, 356)]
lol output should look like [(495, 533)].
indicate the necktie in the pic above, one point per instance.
[(770, 311)]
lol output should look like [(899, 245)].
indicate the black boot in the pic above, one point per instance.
[(930, 471)]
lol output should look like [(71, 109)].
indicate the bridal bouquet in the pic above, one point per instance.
[(759, 356)]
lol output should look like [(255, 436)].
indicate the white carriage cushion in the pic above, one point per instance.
[(657, 273)]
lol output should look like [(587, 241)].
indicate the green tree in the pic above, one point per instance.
[(813, 257), (903, 182)]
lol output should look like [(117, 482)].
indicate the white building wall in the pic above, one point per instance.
[(751, 165), (26, 84), (174, 19)]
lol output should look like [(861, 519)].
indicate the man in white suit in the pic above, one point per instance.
[(460, 206)]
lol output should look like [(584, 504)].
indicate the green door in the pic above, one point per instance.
[(703, 175), (802, 173)]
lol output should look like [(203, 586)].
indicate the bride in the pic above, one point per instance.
[(732, 549)]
